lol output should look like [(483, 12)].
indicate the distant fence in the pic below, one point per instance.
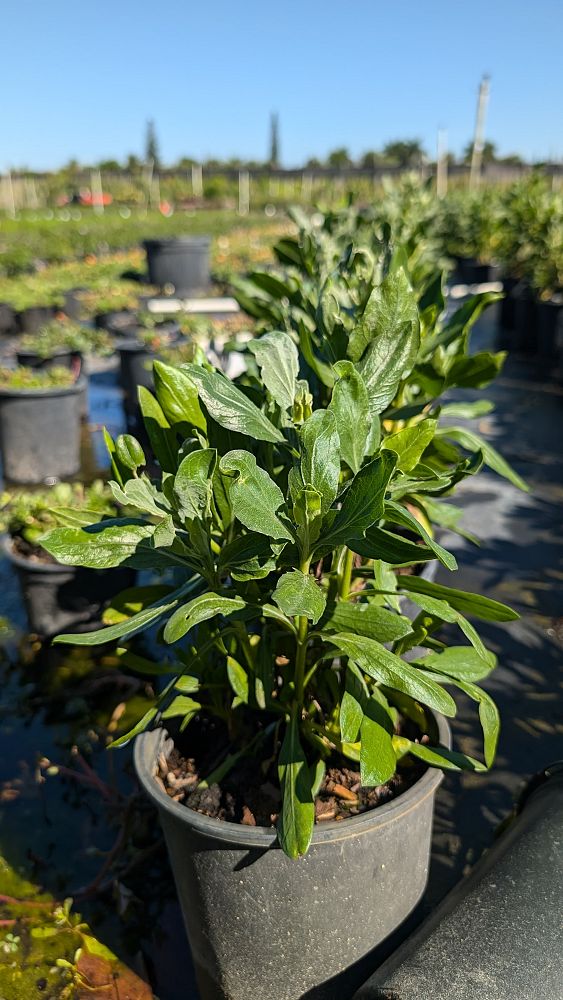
[(29, 191)]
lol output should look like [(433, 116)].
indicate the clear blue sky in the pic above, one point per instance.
[(81, 79)]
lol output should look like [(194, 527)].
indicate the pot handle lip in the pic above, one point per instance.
[(551, 774)]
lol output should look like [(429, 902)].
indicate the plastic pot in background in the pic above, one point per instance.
[(31, 320), (59, 359), (135, 368), (260, 925), (470, 271), (40, 433), (181, 262), (119, 322), (497, 934), (72, 304), (8, 325), (60, 597), (549, 322), (507, 304), (525, 337)]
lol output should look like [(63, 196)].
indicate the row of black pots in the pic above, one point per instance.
[(32, 319), (530, 325), (469, 271)]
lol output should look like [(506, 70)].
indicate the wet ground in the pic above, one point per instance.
[(59, 831)]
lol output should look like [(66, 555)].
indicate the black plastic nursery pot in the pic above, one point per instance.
[(119, 322), (472, 272), (261, 925), (8, 324), (525, 337), (508, 303), (59, 359), (72, 304), (31, 320), (549, 316), (40, 432), (59, 597), (181, 262), (135, 367)]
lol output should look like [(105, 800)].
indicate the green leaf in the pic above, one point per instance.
[(320, 456), (178, 396), (128, 627), (138, 728), (467, 411), (351, 711), (254, 497), (247, 557), (446, 760), (387, 339), (377, 543), (362, 503), (397, 514), (198, 610), (98, 546), (141, 493), (278, 360), (488, 716), (118, 472), (366, 619), (158, 430), (461, 662), (307, 510), (350, 405), (474, 371), (230, 407), (390, 670), (238, 679), (297, 817), (378, 762), (471, 604), (164, 534), (129, 453), (132, 600), (474, 442), (298, 593), (193, 483), (181, 706), (441, 610), (410, 443)]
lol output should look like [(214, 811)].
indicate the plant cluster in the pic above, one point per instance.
[(28, 514), (35, 378), (286, 502), (63, 335)]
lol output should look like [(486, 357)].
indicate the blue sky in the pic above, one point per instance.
[(83, 78)]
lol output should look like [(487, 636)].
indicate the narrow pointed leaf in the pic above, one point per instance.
[(230, 407), (471, 604), (297, 817), (276, 356), (198, 610), (377, 756), (320, 456), (350, 405)]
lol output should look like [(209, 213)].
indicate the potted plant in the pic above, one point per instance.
[(300, 729), (62, 343), (40, 423), (55, 596), (180, 264), (35, 307)]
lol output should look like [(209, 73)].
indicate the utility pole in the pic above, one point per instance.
[(477, 153), (442, 163)]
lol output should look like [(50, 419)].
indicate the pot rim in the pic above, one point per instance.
[(6, 545), (147, 746), (68, 390), (177, 242)]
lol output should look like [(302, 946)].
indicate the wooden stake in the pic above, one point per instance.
[(477, 153), (442, 163), (243, 192)]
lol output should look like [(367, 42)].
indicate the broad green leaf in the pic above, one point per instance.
[(181, 706), (467, 411), (461, 662), (75, 517), (470, 604), (238, 679), (158, 430), (459, 324), (397, 514), (271, 284), (141, 493), (350, 405), (129, 453), (377, 543), (447, 760), (320, 456), (278, 360), (178, 396), (474, 371), (230, 407), (390, 670), (132, 600), (198, 610), (377, 756), (474, 442), (488, 715), (362, 503), (297, 817), (164, 534), (298, 593), (193, 483), (410, 443), (98, 546), (387, 339), (254, 497), (307, 510), (366, 619)]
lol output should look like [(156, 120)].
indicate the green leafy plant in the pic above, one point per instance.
[(35, 378), (27, 514), (64, 335), (287, 512)]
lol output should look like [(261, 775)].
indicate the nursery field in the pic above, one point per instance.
[(332, 529)]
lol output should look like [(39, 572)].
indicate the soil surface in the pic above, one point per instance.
[(33, 553), (250, 793)]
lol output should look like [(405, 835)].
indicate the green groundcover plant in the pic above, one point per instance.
[(285, 515), (64, 335), (35, 378), (28, 514)]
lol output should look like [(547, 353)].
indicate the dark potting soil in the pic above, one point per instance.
[(250, 793), (34, 553)]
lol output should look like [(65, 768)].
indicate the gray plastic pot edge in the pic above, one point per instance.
[(148, 746), (68, 390)]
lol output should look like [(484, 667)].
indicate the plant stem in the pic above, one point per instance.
[(346, 578), (302, 625)]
